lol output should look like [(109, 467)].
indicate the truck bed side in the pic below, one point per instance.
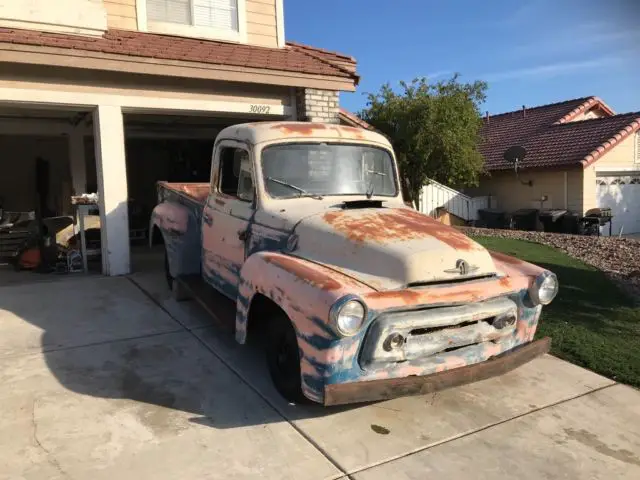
[(189, 194), (178, 217)]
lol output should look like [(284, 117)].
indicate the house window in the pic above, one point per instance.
[(637, 149), (215, 19)]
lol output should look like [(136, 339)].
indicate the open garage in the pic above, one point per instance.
[(48, 156)]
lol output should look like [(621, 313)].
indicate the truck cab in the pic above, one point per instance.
[(303, 234)]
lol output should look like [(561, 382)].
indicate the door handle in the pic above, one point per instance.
[(242, 235)]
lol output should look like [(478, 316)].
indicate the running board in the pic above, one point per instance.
[(219, 307)]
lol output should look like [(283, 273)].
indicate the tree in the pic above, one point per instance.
[(434, 130)]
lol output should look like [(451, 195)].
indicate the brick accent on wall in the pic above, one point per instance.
[(319, 106)]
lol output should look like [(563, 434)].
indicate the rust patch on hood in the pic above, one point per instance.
[(306, 272), (393, 225), (408, 297), (301, 128)]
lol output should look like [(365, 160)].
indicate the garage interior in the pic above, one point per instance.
[(48, 155)]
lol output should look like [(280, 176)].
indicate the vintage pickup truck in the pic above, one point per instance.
[(302, 238)]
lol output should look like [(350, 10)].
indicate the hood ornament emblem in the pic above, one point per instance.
[(463, 268)]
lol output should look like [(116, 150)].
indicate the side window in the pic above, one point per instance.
[(236, 173)]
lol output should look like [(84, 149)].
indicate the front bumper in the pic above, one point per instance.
[(375, 390)]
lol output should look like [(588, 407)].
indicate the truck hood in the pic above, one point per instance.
[(390, 248)]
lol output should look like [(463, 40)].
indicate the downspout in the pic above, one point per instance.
[(566, 191)]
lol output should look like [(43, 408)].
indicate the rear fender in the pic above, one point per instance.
[(180, 229), (306, 292)]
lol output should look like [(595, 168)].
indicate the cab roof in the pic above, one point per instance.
[(260, 132)]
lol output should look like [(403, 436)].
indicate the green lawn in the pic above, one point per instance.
[(591, 322)]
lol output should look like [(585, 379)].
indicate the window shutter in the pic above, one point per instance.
[(172, 11), (221, 14)]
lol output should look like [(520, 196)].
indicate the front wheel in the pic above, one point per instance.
[(167, 272), (177, 289), (283, 359)]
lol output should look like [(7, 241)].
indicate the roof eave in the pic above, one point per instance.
[(73, 58), (583, 107), (610, 143), (353, 119)]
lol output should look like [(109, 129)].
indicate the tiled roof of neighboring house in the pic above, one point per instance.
[(550, 136), (352, 119), (294, 58)]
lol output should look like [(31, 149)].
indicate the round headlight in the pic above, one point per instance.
[(349, 316), (544, 289)]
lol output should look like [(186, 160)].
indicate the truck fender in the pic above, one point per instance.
[(181, 234), (306, 291)]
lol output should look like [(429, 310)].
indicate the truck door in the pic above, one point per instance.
[(226, 217)]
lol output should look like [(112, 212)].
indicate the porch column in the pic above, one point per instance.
[(112, 189), (77, 161)]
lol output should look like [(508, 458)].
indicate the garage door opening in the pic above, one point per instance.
[(38, 172), (48, 156), (621, 193), (173, 148)]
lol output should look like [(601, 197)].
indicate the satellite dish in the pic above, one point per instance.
[(515, 154)]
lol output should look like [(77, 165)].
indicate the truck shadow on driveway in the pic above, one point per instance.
[(74, 340)]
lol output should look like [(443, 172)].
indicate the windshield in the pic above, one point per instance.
[(320, 169)]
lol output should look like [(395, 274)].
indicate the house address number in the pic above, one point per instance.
[(259, 108)]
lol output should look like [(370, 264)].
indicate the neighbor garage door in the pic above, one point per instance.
[(621, 193)]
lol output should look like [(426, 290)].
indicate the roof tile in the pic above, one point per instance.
[(294, 58), (549, 136)]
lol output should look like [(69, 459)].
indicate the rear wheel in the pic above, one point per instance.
[(283, 359)]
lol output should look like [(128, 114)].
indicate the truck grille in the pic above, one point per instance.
[(401, 336)]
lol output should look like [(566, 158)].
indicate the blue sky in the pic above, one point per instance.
[(530, 52)]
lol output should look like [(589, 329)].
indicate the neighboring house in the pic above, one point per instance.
[(351, 119), (580, 155), (116, 94)]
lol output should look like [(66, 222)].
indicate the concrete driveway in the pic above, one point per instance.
[(110, 378)]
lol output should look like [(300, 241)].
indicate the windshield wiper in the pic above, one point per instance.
[(371, 185), (302, 192)]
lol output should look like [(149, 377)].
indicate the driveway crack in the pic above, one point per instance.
[(50, 458)]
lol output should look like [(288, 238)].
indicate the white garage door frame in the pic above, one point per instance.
[(620, 191), (107, 107)]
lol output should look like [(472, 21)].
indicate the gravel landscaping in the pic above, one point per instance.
[(618, 258)]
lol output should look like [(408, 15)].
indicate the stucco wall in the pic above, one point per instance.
[(622, 155), (589, 188), (512, 195), (589, 114), (86, 17)]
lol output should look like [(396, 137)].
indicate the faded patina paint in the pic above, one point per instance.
[(305, 254)]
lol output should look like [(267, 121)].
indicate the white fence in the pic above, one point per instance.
[(435, 195)]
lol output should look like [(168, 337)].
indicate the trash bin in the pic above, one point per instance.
[(552, 220), (492, 217), (571, 223), (525, 219)]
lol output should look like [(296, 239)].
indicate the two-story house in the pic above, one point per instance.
[(112, 95)]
